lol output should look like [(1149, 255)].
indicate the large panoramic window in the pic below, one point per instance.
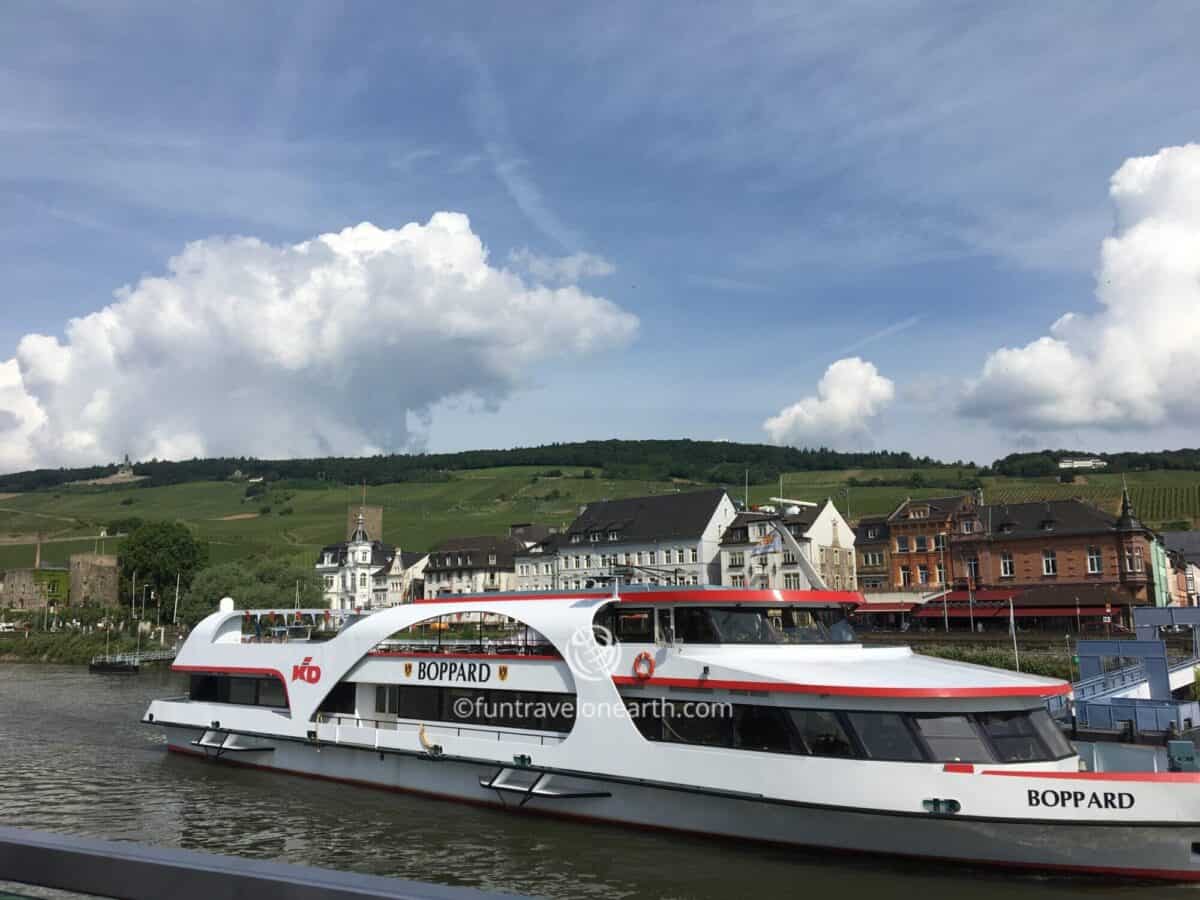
[(529, 710), (237, 689), (468, 632), (1003, 737)]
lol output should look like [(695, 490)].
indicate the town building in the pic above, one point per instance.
[(35, 588), (366, 573), (920, 533), (872, 547), (658, 539), (537, 565), (1062, 543), (94, 579), (1087, 463), (1185, 546), (472, 565), (797, 547)]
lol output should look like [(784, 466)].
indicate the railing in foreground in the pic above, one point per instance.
[(136, 872)]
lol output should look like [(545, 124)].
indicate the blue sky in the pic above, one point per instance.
[(774, 187)]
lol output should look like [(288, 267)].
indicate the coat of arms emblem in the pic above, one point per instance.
[(408, 670), (502, 671)]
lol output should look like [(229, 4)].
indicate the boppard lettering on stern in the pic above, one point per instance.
[(1080, 799)]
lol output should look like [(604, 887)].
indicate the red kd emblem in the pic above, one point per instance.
[(306, 671)]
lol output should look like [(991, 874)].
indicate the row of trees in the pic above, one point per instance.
[(720, 462), (1045, 462), (160, 555)]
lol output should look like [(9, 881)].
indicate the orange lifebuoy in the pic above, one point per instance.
[(643, 666)]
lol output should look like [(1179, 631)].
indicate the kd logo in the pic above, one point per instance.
[(306, 671)]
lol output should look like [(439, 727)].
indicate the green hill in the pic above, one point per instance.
[(294, 518)]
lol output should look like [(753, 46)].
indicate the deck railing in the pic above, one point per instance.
[(432, 729)]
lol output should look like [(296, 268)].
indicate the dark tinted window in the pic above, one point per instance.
[(419, 703), (820, 732), (886, 736), (952, 739), (693, 626), (1013, 736), (765, 728), (1055, 741), (271, 693), (687, 725)]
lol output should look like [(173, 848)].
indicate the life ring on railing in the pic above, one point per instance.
[(643, 666)]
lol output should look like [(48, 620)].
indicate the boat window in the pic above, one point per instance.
[(468, 632), (532, 710), (240, 690), (1013, 736), (635, 625), (745, 625), (693, 625), (885, 736), (1052, 737), (765, 728), (698, 723), (243, 690), (952, 739), (271, 693), (342, 699), (820, 732)]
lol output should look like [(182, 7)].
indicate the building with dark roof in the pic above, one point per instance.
[(1065, 544), (367, 573), (472, 565), (657, 539)]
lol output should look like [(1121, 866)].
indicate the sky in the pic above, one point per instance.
[(284, 229)]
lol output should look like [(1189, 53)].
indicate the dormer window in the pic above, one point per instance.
[(919, 513), (594, 536), (491, 559), (612, 536), (576, 538), (968, 527), (1047, 525), (872, 533)]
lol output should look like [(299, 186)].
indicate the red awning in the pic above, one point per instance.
[(867, 608), (990, 611), (984, 596)]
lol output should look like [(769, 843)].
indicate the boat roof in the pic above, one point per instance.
[(640, 594)]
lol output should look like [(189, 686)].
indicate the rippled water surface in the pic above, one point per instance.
[(75, 758)]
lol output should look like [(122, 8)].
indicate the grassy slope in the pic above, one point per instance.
[(484, 501)]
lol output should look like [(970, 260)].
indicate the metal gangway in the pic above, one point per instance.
[(133, 659), (1140, 694)]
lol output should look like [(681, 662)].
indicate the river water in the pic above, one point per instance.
[(75, 758)]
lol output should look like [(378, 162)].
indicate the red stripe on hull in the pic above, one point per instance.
[(1152, 777), (1153, 874), (843, 690)]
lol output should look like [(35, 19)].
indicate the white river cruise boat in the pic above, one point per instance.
[(740, 714)]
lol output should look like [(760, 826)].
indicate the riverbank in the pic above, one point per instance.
[(68, 648)]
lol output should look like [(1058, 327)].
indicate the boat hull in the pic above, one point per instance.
[(1147, 851)]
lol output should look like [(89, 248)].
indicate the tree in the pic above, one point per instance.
[(259, 583), (159, 552)]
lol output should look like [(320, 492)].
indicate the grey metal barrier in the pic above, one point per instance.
[(126, 871)]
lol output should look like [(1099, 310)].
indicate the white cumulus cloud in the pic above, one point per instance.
[(850, 395), (331, 346), (1133, 362)]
